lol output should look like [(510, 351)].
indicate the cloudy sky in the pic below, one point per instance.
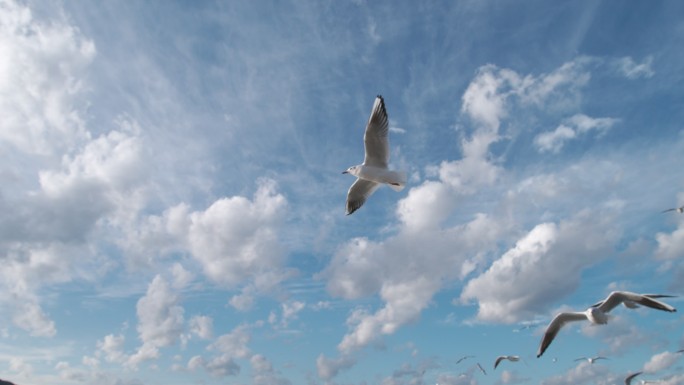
[(173, 204)]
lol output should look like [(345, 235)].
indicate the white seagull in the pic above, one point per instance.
[(591, 359), (677, 209), (629, 378), (501, 358), (373, 172), (598, 314)]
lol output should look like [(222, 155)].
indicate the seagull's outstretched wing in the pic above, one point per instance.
[(597, 304), (668, 210), (481, 368), (617, 297), (555, 326), (358, 193), (376, 138), (629, 378), (498, 360)]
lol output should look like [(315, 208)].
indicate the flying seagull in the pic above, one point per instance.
[(598, 314), (591, 359), (677, 209), (629, 378), (463, 358), (373, 172), (481, 368), (501, 358)]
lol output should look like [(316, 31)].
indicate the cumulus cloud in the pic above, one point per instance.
[(584, 373), (525, 280), (330, 367), (263, 372), (661, 361), (202, 326), (160, 320), (40, 67)]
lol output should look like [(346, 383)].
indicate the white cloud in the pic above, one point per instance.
[(553, 141), (329, 367), (160, 320), (41, 68), (111, 347), (661, 361), (404, 301), (584, 373), (234, 343), (633, 70), (578, 124), (263, 372), (202, 326), (525, 280)]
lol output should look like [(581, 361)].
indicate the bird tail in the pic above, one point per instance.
[(398, 180)]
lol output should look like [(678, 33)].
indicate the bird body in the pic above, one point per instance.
[(374, 171), (598, 314)]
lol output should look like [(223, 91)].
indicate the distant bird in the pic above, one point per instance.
[(628, 379), (373, 172), (481, 368), (463, 358), (680, 351), (501, 358), (591, 359), (598, 314), (677, 209)]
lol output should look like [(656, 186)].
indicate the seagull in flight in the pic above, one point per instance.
[(591, 359), (677, 209), (463, 358), (373, 172), (481, 368), (598, 314), (501, 358), (628, 380)]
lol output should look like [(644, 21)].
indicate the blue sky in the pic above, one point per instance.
[(173, 203)]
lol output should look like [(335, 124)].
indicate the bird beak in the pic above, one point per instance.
[(345, 172)]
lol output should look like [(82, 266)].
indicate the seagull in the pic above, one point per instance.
[(629, 378), (598, 314), (591, 359), (677, 209), (463, 358), (501, 358), (373, 172), (481, 368)]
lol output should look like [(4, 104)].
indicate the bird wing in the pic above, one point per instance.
[(481, 368), (597, 304), (664, 211), (376, 138), (498, 360), (358, 193), (555, 326), (617, 297), (629, 378)]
